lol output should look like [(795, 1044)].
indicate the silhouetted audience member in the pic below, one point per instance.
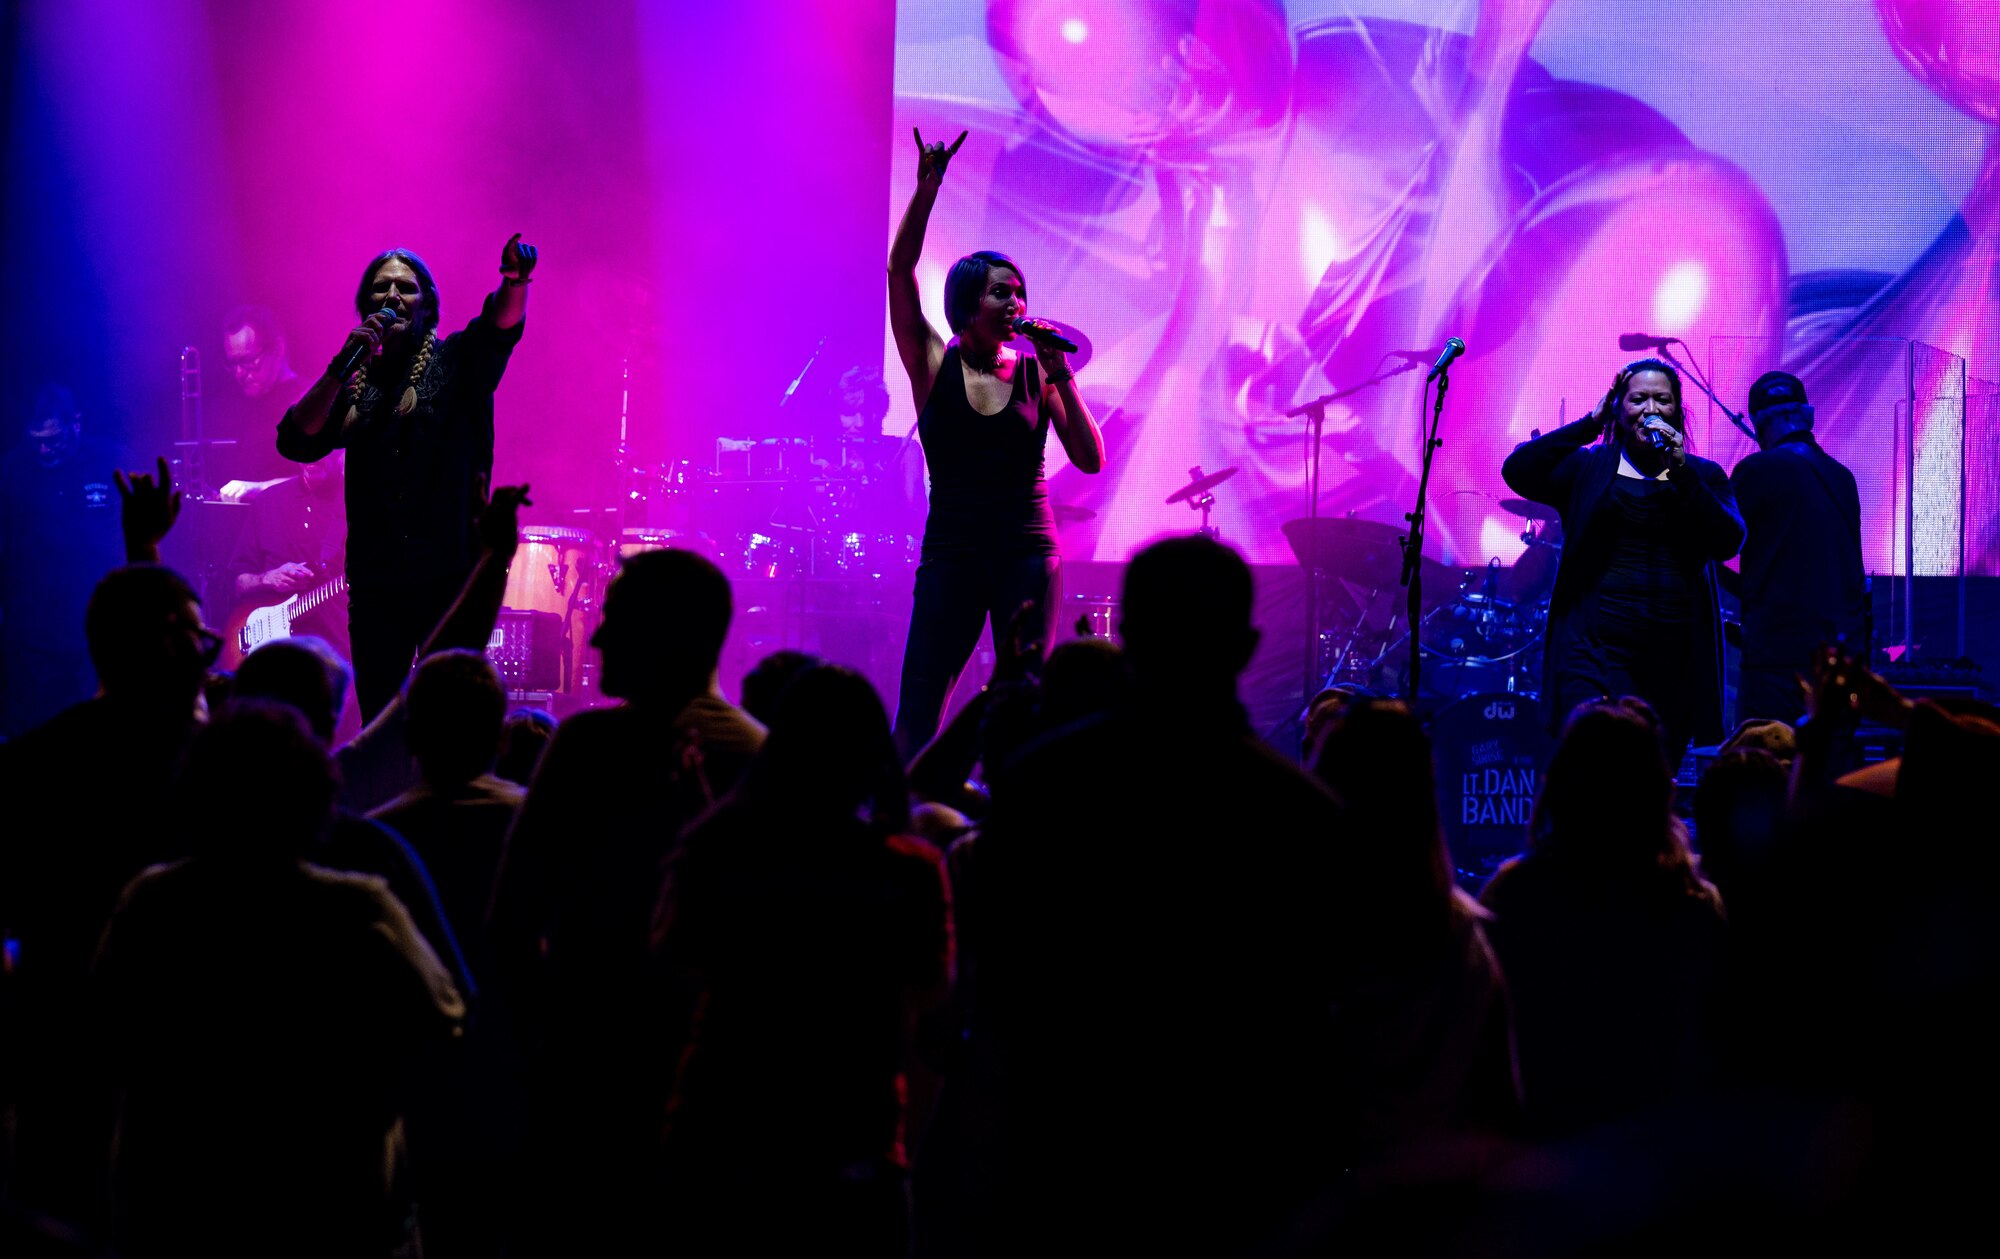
[(86, 790), (261, 1011), (1874, 965), (523, 739), (465, 1134), (815, 933), (768, 679), (1611, 943), (1427, 1041), (1739, 816), (1159, 966), (458, 819), (310, 676), (1082, 678), (375, 765), (579, 878)]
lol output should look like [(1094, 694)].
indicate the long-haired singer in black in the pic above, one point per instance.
[(1634, 609), (984, 411)]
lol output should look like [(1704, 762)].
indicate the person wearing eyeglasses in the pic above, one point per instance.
[(259, 363)]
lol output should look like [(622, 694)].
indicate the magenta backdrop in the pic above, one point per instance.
[(704, 182)]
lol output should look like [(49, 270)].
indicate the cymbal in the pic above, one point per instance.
[(1365, 552), (1200, 483), (1530, 511), (1067, 513)]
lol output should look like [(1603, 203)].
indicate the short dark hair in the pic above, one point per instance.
[(967, 278), (456, 708), (683, 596), (257, 763), (124, 621), (303, 671), (524, 736), (259, 319), (433, 303), (1190, 595), (764, 686)]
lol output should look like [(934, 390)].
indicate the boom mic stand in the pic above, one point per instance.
[(1315, 415), (1701, 383), (1413, 543)]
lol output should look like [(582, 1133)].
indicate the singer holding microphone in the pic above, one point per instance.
[(984, 411), (1634, 609), (415, 415)]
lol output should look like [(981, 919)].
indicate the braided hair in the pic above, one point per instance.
[(419, 363)]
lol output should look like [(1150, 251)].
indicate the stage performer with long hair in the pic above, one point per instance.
[(984, 411), (415, 415), (1634, 609)]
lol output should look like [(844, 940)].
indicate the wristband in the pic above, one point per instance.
[(516, 281), (1063, 379)]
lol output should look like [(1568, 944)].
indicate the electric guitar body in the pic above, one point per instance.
[(256, 622)]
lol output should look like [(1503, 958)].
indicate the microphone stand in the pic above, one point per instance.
[(1315, 414), (1667, 352), (1413, 544)]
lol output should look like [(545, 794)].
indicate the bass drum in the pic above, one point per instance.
[(1491, 751)]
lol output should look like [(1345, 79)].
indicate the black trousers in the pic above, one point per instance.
[(386, 624), (1622, 647), (956, 596)]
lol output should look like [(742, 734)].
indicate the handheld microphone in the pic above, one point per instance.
[(362, 351), (1640, 341), (1656, 433), (1452, 349), (1032, 330)]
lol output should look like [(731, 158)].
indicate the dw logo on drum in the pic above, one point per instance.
[(1499, 710)]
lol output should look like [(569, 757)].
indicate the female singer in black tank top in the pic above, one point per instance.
[(984, 411)]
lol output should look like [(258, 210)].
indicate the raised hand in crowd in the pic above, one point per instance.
[(500, 523), (148, 506)]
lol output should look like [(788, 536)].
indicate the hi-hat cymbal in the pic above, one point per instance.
[(1530, 511), (1068, 513), (1200, 483)]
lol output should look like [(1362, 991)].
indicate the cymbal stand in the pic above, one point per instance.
[(1204, 502), (1315, 416)]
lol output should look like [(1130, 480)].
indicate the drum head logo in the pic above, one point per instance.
[(1499, 710), (97, 494)]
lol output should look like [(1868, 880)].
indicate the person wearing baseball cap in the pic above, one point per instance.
[(1802, 581)]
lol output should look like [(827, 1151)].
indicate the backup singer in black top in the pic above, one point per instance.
[(984, 414), (1634, 609), (416, 421)]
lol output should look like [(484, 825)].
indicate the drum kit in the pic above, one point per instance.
[(1480, 629), (767, 511)]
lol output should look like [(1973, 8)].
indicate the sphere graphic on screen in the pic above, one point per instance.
[(1953, 46), (1169, 77)]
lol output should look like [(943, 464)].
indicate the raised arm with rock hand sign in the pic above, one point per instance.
[(933, 158)]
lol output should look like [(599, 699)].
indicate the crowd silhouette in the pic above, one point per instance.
[(1096, 972)]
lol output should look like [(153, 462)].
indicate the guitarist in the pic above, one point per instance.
[(295, 540)]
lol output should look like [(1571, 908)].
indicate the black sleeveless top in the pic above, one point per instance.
[(987, 493)]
